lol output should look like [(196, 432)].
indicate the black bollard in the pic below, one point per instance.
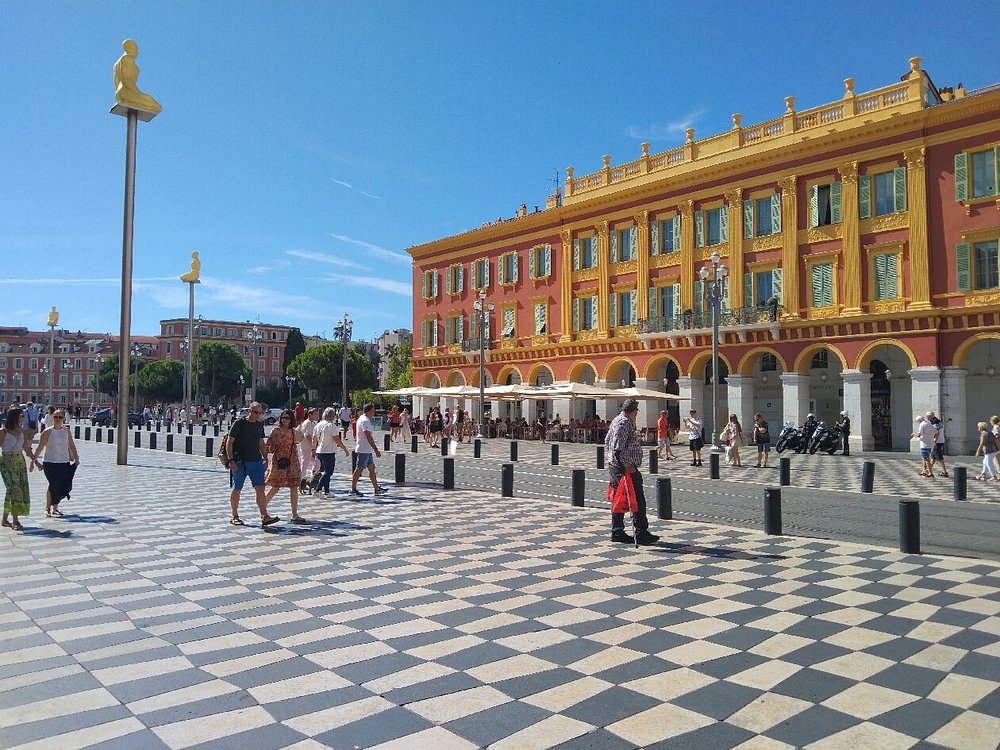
[(555, 454), (579, 485), (449, 473), (477, 448), (190, 428), (204, 429), (444, 446), (209, 446), (170, 442), (961, 486), (215, 428), (111, 435), (772, 511), (99, 435), (784, 471), (713, 465), (600, 457), (149, 425), (868, 477), (400, 477), (385, 442), (654, 461), (76, 432), (413, 443), (152, 441), (86, 433), (188, 445), (138, 439), (507, 480), (909, 527), (159, 425), (513, 450), (664, 499)]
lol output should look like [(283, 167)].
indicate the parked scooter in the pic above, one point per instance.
[(826, 438), (791, 438)]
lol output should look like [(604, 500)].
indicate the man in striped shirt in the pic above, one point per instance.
[(624, 448)]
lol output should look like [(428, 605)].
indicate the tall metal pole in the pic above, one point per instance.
[(125, 342), (190, 353), (52, 360), (715, 358)]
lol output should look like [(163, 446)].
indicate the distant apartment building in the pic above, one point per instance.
[(387, 343)]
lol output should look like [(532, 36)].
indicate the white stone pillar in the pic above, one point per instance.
[(649, 411), (959, 435), (607, 408), (691, 389), (795, 397), (858, 405), (740, 400), (925, 396)]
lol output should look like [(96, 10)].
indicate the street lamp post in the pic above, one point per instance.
[(718, 273), (45, 372), (53, 322), (343, 332), (482, 317), (254, 335), (290, 382), (243, 383), (3, 389), (67, 365), (136, 353)]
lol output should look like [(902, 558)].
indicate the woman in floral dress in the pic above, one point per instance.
[(14, 470), (283, 469)]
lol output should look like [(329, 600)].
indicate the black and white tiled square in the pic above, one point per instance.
[(142, 619)]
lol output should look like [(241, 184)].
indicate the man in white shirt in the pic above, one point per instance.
[(695, 442), (927, 433), (345, 420), (365, 448)]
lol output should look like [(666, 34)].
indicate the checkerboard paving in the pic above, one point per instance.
[(462, 620)]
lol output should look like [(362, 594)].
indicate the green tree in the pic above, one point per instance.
[(361, 396), (107, 376), (320, 367), (400, 373), (217, 367), (294, 346), (272, 394), (162, 380)]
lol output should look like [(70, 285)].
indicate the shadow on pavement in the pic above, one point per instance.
[(88, 519), (46, 533), (728, 554)]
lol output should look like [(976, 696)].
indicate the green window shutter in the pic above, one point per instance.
[(961, 177), (423, 285), (576, 314), (827, 284), (634, 294), (434, 332), (748, 290), (576, 254), (539, 318), (814, 206), (776, 284), (891, 277), (653, 312), (447, 281), (517, 263), (879, 263), (461, 278), (676, 229), (899, 188), (633, 241), (699, 229), (864, 196), (614, 245), (747, 219), (434, 290), (486, 273), (996, 169), (592, 322), (548, 260), (532, 270), (963, 277), (612, 310), (776, 213), (816, 281), (500, 278), (461, 328), (699, 302), (835, 202), (474, 326), (654, 238), (724, 290), (724, 223), (677, 301)]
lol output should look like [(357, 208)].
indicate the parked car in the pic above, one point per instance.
[(269, 417)]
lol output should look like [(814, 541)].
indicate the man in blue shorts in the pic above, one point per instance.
[(365, 448), (247, 451)]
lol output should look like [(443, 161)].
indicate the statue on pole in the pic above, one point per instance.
[(126, 76), (194, 275)]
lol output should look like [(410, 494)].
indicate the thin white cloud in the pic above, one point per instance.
[(402, 288), (668, 130), (349, 186), (323, 258), (376, 250)]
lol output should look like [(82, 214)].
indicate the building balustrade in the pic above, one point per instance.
[(691, 324)]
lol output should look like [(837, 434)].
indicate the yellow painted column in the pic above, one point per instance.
[(916, 197), (789, 247), (603, 273), (851, 249), (735, 200), (566, 287), (642, 266), (687, 255)]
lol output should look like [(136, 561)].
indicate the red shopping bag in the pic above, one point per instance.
[(624, 500)]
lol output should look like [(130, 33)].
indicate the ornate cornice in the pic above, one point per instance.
[(787, 185), (734, 197), (686, 209), (849, 172), (914, 157), (642, 220)]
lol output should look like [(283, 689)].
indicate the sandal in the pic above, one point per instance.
[(57, 513), (268, 520), (6, 523), (237, 521), (297, 519), (17, 526), (943, 474)]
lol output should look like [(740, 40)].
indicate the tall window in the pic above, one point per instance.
[(667, 301), (623, 244), (454, 329), (986, 272), (622, 308), (713, 220), (762, 216), (886, 281), (429, 285), (584, 313), (540, 262), (481, 273), (759, 288), (824, 204), (507, 268), (429, 332), (666, 236), (541, 318), (711, 226), (882, 193), (822, 284), (455, 280), (984, 173), (585, 252), (509, 329)]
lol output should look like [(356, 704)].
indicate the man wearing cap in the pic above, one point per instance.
[(624, 446), (937, 452)]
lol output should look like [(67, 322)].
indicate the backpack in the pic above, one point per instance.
[(224, 451)]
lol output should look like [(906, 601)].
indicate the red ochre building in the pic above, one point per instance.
[(860, 239)]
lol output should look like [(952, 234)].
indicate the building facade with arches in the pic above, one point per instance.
[(861, 243)]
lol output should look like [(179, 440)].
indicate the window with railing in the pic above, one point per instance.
[(761, 287)]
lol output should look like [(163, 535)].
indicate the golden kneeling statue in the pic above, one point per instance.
[(53, 316), (126, 76), (192, 276)]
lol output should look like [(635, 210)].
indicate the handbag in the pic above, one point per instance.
[(624, 500), (283, 463)]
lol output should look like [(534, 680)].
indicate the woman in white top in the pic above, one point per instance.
[(60, 462), (307, 448), (327, 436), (13, 470)]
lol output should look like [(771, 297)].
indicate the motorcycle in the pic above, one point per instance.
[(826, 438), (791, 438)]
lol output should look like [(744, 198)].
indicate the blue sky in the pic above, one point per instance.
[(303, 146)]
